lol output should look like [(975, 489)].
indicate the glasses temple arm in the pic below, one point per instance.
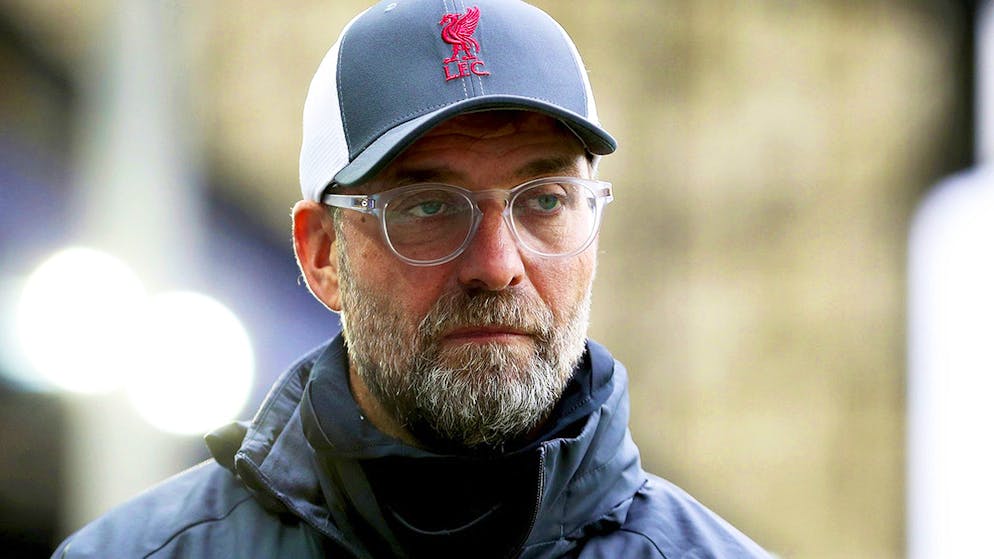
[(605, 192), (356, 202)]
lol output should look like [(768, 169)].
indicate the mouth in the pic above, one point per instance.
[(486, 334)]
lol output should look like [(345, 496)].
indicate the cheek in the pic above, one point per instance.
[(562, 284), (409, 290), (416, 289)]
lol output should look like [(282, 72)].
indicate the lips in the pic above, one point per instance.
[(485, 334)]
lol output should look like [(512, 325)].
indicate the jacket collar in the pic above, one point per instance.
[(592, 477), (274, 460)]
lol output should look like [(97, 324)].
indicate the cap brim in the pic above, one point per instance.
[(389, 145)]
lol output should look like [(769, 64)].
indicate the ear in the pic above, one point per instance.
[(314, 245)]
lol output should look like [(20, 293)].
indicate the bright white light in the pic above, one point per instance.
[(951, 361), (77, 317), (197, 366)]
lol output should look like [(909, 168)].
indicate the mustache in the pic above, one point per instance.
[(508, 308)]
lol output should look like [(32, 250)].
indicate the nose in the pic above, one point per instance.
[(492, 261)]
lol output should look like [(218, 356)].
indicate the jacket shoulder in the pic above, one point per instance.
[(202, 512), (664, 521)]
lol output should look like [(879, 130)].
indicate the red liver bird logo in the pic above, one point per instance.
[(458, 32)]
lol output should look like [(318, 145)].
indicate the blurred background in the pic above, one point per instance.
[(752, 274)]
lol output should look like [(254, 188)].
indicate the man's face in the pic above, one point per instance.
[(474, 352)]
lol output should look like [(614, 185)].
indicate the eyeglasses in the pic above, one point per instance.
[(431, 224)]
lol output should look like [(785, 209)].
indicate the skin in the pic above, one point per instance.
[(478, 151)]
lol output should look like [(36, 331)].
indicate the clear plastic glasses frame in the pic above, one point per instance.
[(596, 195)]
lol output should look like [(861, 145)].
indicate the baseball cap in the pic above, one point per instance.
[(402, 67)]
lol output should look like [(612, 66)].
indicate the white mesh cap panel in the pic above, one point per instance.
[(324, 150)]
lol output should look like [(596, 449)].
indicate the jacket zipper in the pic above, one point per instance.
[(538, 502)]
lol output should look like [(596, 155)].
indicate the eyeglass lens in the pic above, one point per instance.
[(432, 223)]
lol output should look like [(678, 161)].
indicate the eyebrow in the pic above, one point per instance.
[(545, 166), (430, 174), (555, 165)]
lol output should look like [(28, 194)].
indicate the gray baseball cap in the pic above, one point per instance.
[(402, 67)]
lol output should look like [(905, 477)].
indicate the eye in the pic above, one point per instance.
[(427, 208), (426, 204), (547, 202), (548, 199)]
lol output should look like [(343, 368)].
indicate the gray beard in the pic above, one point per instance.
[(475, 396)]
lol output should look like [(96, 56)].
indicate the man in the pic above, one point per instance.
[(450, 216)]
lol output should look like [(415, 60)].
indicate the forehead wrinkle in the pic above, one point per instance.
[(420, 174), (548, 166)]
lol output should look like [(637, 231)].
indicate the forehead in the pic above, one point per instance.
[(491, 146)]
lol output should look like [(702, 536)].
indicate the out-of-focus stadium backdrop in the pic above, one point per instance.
[(752, 268)]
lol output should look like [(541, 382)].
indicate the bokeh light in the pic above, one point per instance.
[(197, 364), (76, 319), (951, 358)]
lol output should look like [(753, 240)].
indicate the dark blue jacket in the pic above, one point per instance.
[(310, 477)]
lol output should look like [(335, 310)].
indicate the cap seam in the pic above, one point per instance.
[(456, 10), (460, 7), (479, 78), (580, 67)]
